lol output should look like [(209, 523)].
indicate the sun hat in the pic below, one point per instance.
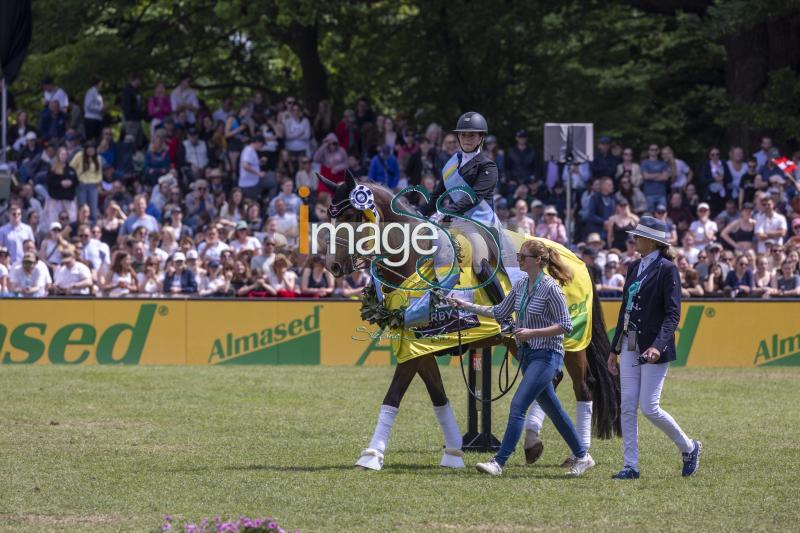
[(653, 229)]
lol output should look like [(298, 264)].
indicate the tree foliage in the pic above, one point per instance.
[(688, 73)]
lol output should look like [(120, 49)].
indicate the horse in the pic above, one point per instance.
[(587, 367)]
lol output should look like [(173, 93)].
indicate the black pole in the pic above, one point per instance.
[(482, 441)]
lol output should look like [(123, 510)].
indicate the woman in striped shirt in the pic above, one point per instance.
[(542, 321)]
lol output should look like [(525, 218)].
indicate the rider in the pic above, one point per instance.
[(470, 167)]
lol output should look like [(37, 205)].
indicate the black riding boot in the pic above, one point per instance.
[(494, 290)]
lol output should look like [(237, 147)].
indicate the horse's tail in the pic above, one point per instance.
[(604, 385)]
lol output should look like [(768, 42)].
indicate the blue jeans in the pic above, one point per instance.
[(87, 194), (539, 367)]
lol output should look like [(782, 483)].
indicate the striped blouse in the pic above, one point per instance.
[(546, 307)]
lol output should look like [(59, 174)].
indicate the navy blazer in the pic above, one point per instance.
[(659, 310), (188, 282)]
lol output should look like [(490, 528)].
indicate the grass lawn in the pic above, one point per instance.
[(100, 448)]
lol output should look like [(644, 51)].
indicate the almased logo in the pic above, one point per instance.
[(294, 342), (580, 317), (28, 342), (778, 351)]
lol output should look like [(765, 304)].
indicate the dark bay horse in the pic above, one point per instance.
[(590, 377)]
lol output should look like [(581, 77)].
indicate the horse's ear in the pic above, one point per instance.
[(350, 180), (328, 183)]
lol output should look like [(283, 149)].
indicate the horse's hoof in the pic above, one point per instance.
[(452, 458), (370, 459), (534, 447)]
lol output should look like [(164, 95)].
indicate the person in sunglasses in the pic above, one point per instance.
[(644, 344), (542, 321)]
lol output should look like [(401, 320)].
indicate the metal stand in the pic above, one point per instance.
[(480, 380)]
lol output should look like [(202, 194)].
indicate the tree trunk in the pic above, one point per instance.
[(304, 42)]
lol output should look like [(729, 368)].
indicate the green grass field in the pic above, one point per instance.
[(94, 448)]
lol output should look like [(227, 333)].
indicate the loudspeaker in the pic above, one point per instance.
[(563, 142)]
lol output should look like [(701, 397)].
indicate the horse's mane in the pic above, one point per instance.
[(385, 196)]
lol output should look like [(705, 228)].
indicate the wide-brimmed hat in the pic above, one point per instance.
[(653, 229)]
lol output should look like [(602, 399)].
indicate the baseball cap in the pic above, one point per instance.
[(192, 130), (213, 264), (537, 203), (55, 225), (714, 247), (30, 136), (612, 258), (191, 254), (550, 210), (241, 225), (521, 133), (605, 139), (702, 205), (29, 257), (661, 208), (3, 250), (178, 256)]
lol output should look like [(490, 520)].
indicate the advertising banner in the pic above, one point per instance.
[(319, 332)]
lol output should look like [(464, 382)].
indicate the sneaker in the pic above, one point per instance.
[(533, 447), (569, 462), (627, 472), (581, 465), (691, 460), (492, 468)]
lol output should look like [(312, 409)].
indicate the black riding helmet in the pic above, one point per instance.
[(474, 122)]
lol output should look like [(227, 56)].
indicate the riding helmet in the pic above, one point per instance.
[(471, 121)]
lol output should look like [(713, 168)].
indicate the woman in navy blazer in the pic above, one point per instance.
[(644, 344)]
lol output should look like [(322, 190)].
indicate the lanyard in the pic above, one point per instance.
[(633, 290), (526, 297)]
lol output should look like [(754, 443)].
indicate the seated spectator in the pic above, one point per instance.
[(212, 247), (786, 283), (26, 280), (243, 240), (95, 252), (199, 202), (50, 249), (121, 280), (552, 228), (290, 199), (690, 284), (596, 245), (214, 283), (739, 280), (680, 174), (194, 155), (739, 234), (352, 285), (286, 222), (72, 277), (297, 131), (243, 283), (770, 225), (235, 208), (4, 265), (150, 280), (589, 257), (177, 278), (15, 233), (260, 264), (715, 284), (611, 281), (282, 280), (729, 214), (704, 230), (762, 277), (52, 122), (522, 223), (383, 168), (316, 281)]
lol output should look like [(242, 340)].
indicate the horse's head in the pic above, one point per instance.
[(355, 203)]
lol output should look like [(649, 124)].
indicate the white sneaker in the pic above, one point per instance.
[(581, 465), (492, 468)]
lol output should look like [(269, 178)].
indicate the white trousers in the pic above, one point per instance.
[(641, 387)]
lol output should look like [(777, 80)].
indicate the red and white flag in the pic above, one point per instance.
[(786, 165)]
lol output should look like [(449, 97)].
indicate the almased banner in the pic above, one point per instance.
[(209, 332)]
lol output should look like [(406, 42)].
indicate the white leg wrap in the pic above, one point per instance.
[(452, 457), (535, 418), (583, 423), (372, 457)]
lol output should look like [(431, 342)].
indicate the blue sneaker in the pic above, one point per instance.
[(691, 460), (627, 473)]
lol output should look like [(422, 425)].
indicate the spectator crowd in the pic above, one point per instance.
[(179, 198)]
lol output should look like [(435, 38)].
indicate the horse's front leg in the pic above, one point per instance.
[(452, 455), (372, 456)]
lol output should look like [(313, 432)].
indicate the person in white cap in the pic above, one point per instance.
[(644, 345), (704, 230)]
